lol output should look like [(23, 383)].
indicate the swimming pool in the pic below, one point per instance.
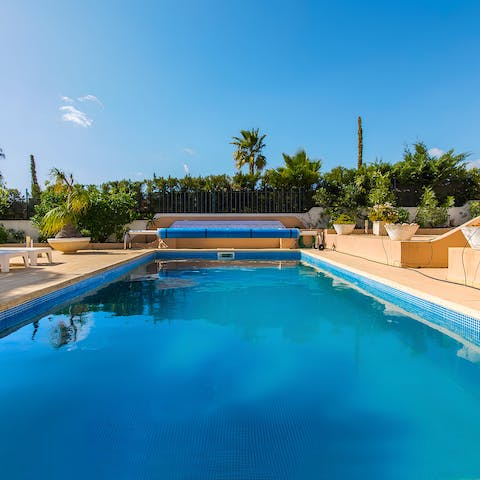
[(267, 370)]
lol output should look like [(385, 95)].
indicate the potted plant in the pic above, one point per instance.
[(344, 224), (380, 214), (62, 218), (401, 229)]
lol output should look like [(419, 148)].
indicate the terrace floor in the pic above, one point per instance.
[(20, 284)]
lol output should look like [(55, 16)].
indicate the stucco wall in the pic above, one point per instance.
[(23, 225)]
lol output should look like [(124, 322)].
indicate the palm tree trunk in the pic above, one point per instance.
[(360, 143), (68, 231)]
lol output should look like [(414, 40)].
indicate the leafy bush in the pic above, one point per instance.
[(430, 213), (474, 209), (382, 192), (403, 215), (3, 234), (9, 235), (15, 236), (108, 213), (344, 219), (384, 212), (339, 193)]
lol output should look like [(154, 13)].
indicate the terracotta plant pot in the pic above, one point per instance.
[(69, 245), (344, 228), (401, 231)]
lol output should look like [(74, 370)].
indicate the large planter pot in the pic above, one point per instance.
[(69, 245), (378, 227), (344, 228), (401, 231), (472, 234)]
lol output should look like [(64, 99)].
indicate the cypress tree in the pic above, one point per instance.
[(360, 143), (2, 155), (35, 187)]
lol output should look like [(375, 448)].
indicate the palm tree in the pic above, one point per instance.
[(299, 172), (360, 143), (249, 150), (62, 220)]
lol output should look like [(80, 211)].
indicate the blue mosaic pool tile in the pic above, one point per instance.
[(459, 323)]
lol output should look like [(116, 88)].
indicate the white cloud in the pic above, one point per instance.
[(65, 99), (90, 98), (188, 151), (187, 170), (71, 114), (473, 164), (436, 152)]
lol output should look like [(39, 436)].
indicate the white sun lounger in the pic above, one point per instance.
[(33, 253), (127, 239), (6, 255)]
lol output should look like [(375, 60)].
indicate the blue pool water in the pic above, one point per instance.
[(230, 372)]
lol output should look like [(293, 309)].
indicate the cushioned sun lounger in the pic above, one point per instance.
[(6, 255)]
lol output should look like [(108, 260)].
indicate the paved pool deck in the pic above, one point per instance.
[(21, 285)]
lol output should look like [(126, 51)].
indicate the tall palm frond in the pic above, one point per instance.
[(249, 150)]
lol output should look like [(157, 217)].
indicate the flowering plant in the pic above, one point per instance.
[(385, 212), (344, 219)]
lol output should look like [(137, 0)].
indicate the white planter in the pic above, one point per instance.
[(378, 227), (344, 228), (472, 234), (401, 231), (69, 245)]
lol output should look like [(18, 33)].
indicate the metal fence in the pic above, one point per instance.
[(222, 201), (232, 201)]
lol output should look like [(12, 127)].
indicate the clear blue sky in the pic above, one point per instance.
[(176, 79)]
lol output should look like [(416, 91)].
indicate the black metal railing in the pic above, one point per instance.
[(232, 201), (201, 201)]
